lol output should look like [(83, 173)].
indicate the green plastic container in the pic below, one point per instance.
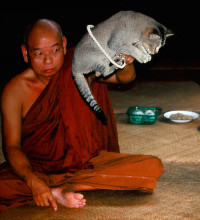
[(143, 115)]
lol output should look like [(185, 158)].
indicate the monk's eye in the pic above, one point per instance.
[(55, 50), (38, 54)]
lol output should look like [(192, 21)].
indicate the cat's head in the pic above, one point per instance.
[(155, 37), (137, 35)]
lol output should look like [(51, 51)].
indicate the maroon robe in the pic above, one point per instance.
[(66, 143), (60, 132)]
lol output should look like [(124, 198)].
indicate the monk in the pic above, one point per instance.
[(54, 145)]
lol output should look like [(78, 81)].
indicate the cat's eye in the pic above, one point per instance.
[(134, 43)]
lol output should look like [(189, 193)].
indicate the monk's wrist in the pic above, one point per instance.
[(30, 177)]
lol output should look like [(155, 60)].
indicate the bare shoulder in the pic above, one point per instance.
[(15, 87), (21, 92), (15, 92)]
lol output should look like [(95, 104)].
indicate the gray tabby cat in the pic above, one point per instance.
[(126, 32)]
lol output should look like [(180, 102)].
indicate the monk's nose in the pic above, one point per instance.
[(47, 59)]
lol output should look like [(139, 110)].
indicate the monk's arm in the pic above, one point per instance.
[(125, 75), (11, 110), (11, 120)]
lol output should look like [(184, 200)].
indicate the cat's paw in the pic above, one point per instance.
[(147, 58), (144, 59)]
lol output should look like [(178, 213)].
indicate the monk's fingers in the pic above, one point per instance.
[(36, 202), (49, 200), (39, 201), (129, 59), (36, 199), (46, 202), (53, 203)]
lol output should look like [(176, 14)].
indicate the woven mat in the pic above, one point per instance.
[(177, 195), (170, 141)]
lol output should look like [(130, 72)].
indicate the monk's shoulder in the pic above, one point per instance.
[(16, 87), (14, 83)]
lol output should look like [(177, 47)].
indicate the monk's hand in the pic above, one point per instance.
[(127, 74), (41, 192), (128, 59)]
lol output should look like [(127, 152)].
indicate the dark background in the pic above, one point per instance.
[(178, 59)]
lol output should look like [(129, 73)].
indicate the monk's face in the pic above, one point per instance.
[(46, 50)]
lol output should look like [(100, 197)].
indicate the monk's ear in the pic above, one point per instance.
[(24, 53), (64, 41)]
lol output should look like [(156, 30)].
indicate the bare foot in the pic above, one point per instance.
[(68, 199)]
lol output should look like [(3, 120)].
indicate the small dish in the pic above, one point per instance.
[(143, 114), (169, 114)]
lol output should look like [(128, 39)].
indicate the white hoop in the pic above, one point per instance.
[(101, 48)]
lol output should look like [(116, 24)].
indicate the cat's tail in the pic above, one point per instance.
[(85, 92)]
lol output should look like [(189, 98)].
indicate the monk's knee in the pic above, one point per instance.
[(156, 166)]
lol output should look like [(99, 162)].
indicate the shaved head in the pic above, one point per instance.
[(45, 25), (44, 47)]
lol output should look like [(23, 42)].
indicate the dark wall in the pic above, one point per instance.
[(181, 50)]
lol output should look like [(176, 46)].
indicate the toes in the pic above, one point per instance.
[(78, 196), (80, 204), (71, 200)]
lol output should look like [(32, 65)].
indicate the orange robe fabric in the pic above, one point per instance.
[(65, 142)]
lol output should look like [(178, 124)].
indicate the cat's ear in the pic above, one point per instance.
[(169, 33)]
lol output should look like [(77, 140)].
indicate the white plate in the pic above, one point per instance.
[(193, 114)]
